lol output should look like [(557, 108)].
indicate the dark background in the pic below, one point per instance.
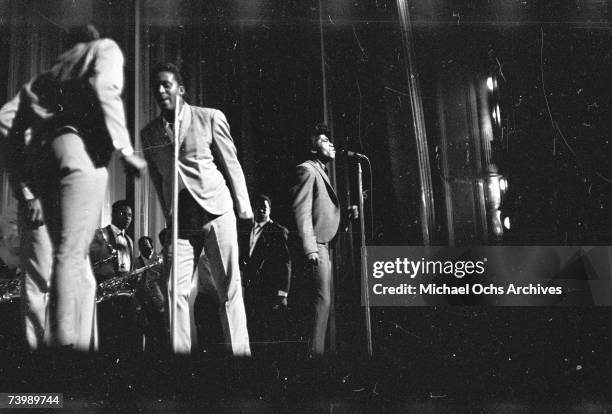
[(260, 62)]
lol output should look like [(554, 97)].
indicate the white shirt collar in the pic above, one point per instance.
[(180, 115), (117, 230)]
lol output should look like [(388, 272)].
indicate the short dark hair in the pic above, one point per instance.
[(81, 34), (166, 67), (162, 235), (261, 197), (121, 203), (315, 131), (142, 240)]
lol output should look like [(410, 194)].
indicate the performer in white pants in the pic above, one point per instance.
[(58, 134), (212, 186)]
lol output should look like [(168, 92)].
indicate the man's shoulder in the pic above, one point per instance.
[(102, 234), (306, 165), (100, 47), (204, 112), (105, 44), (305, 170), (276, 228)]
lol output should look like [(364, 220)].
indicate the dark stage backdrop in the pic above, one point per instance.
[(263, 64)]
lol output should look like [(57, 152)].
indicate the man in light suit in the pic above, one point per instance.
[(60, 131), (267, 274), (212, 186), (317, 216)]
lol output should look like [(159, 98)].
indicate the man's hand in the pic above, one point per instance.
[(33, 212), (313, 258), (134, 165), (352, 212), (282, 303)]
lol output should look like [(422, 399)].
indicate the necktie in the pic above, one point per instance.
[(254, 236)]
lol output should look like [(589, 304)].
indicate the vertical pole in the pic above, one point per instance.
[(174, 276), (332, 314), (364, 261), (323, 75), (140, 200), (418, 120)]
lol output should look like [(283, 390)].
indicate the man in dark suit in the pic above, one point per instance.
[(267, 275), (317, 216), (60, 132), (112, 249), (211, 187), (112, 255)]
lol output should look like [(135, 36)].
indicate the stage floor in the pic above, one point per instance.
[(498, 360)]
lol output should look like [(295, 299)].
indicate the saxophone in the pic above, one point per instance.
[(10, 289), (124, 285)]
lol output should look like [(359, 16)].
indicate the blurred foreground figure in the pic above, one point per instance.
[(59, 133)]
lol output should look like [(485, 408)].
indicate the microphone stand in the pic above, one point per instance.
[(364, 260), (174, 275)]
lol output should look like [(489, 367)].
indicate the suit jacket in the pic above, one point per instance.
[(208, 162), (149, 291), (101, 248), (82, 90), (315, 206), (268, 269)]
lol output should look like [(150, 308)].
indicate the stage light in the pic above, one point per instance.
[(493, 191), (496, 224), (490, 83)]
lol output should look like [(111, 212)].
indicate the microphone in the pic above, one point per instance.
[(353, 154)]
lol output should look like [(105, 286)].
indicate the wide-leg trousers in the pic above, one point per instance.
[(59, 287), (208, 260), (322, 278)]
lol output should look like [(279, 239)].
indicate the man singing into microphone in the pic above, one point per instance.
[(211, 186), (317, 215)]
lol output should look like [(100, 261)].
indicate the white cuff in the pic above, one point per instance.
[(27, 193), (126, 151)]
